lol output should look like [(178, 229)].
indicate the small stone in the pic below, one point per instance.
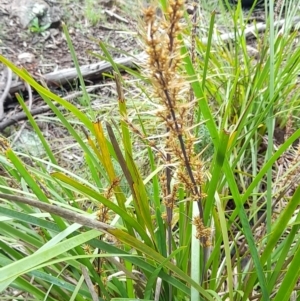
[(26, 57)]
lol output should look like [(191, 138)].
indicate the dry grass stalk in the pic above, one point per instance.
[(171, 92)]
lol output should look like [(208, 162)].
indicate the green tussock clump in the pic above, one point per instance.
[(184, 191)]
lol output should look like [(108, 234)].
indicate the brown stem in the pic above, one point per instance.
[(64, 213)]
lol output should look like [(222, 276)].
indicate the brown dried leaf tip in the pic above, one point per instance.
[(171, 92), (203, 233), (4, 145)]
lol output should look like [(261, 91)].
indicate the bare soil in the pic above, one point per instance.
[(88, 22), (112, 22), (50, 48)]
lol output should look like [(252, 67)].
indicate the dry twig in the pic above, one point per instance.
[(62, 212), (40, 110), (5, 92)]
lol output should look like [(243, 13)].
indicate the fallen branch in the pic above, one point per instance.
[(89, 72), (22, 116), (5, 92), (96, 70), (67, 214), (40, 110), (250, 31)]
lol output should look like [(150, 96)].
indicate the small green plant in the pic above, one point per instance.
[(35, 26), (93, 13)]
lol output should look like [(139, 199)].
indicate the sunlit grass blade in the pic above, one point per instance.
[(109, 58), (32, 183), (108, 164), (82, 83), (99, 198), (158, 258), (135, 182), (153, 277), (277, 231), (286, 247), (37, 130), (200, 96), (10, 272), (290, 279), (216, 171)]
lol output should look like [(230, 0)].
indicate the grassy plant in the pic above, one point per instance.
[(92, 12), (35, 27), (214, 217)]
